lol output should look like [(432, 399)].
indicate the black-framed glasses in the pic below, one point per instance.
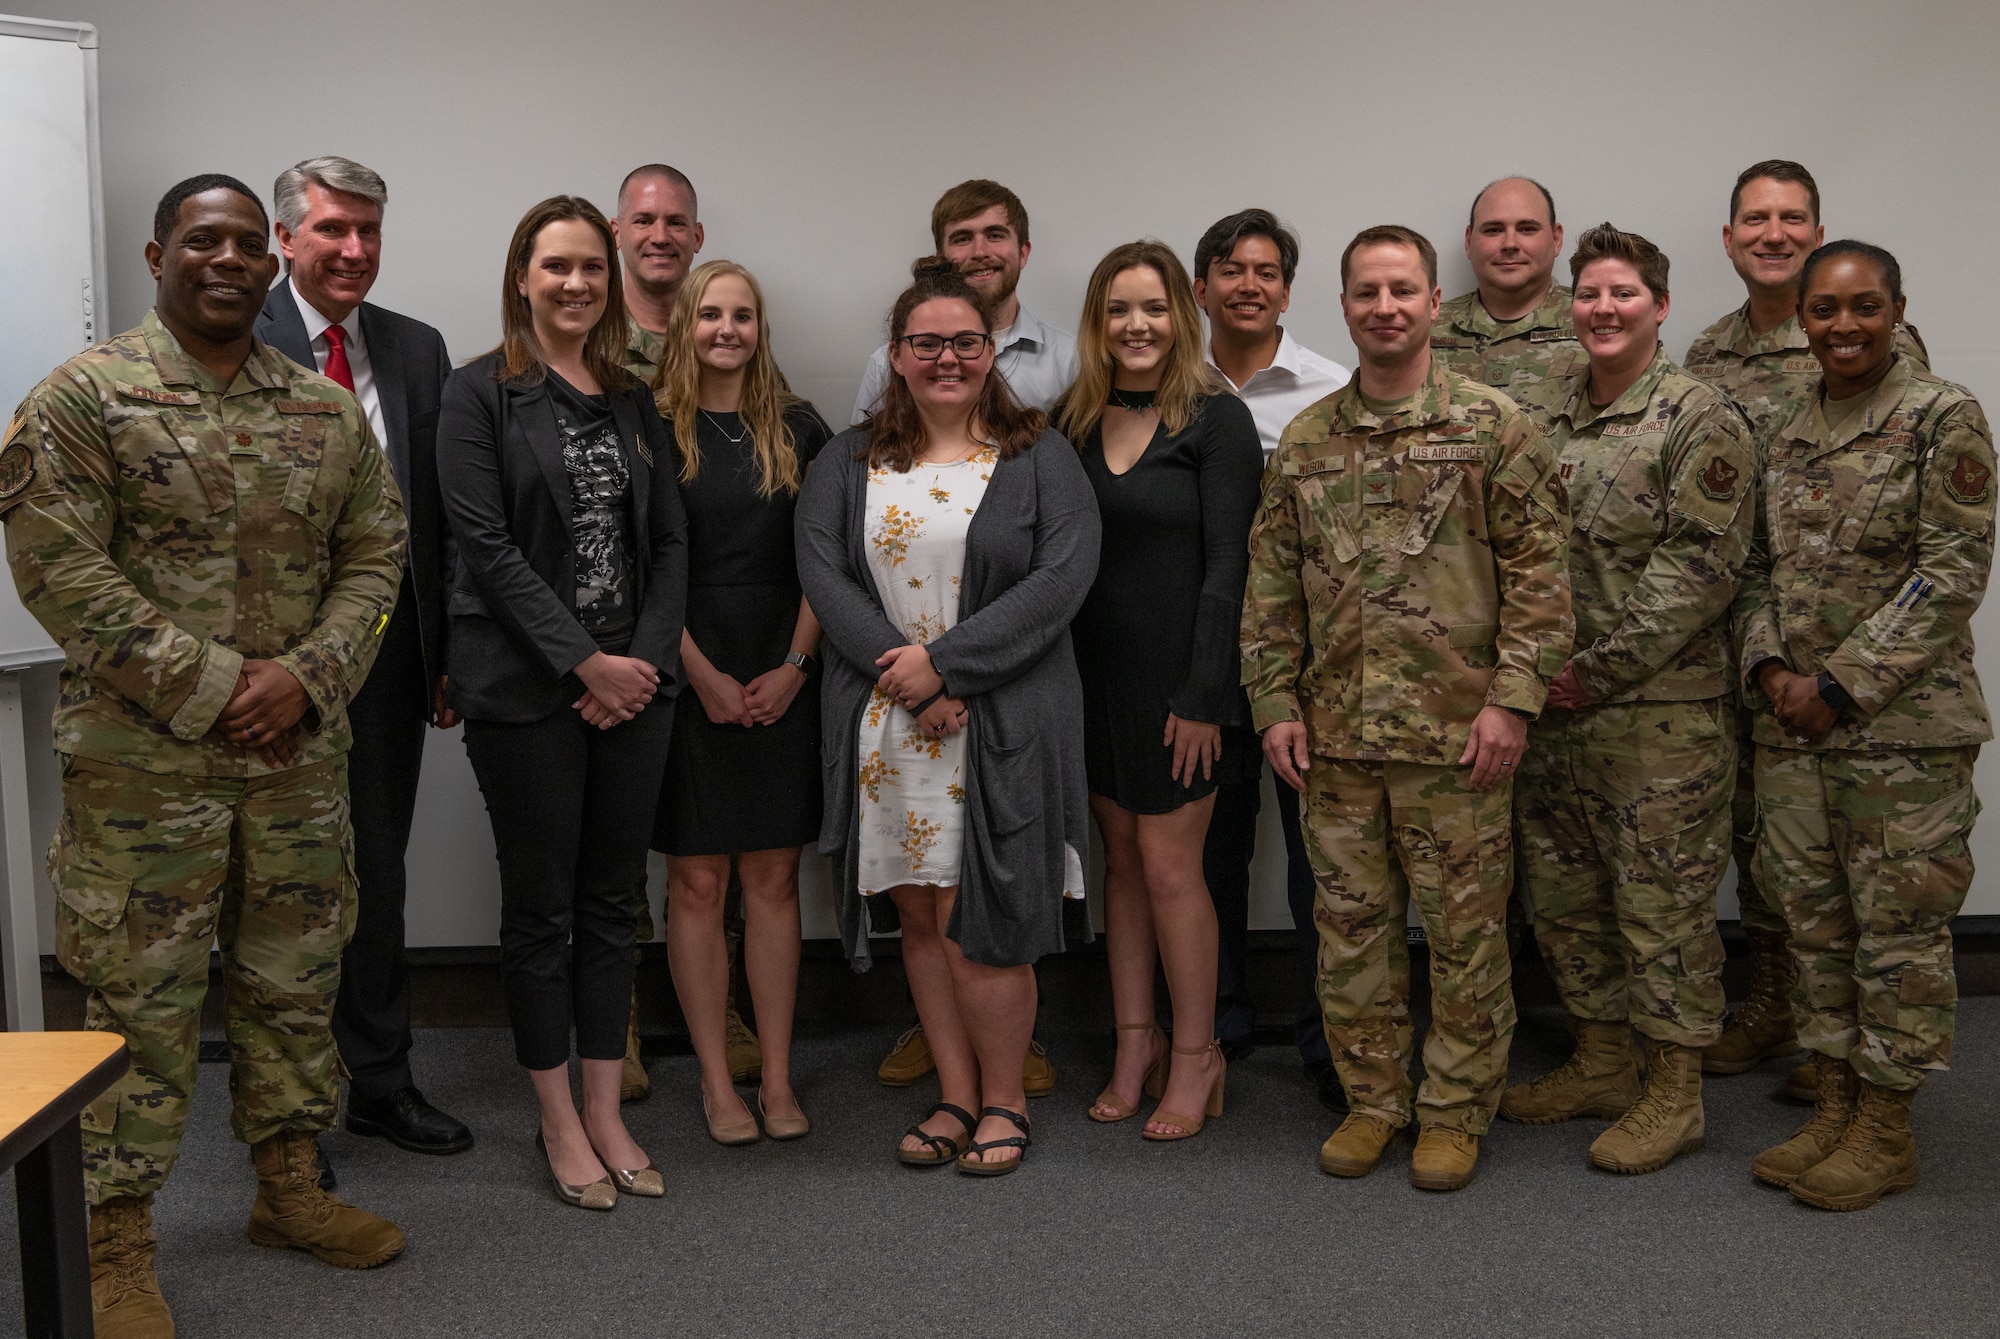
[(966, 344)]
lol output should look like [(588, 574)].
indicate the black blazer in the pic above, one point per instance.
[(410, 366), (514, 633)]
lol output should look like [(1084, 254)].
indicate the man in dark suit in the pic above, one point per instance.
[(330, 230)]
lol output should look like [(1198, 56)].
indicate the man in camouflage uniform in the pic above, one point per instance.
[(1514, 329), (212, 535), (1407, 602), (1623, 802), (1757, 356), (1855, 617), (659, 236)]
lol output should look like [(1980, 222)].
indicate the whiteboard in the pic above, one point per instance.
[(51, 236)]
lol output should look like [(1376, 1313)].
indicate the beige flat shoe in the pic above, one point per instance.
[(783, 1127), (744, 1131)]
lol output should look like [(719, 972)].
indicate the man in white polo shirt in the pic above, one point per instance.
[(1243, 268), (983, 227)]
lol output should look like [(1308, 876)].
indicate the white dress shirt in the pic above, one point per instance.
[(357, 358), (1296, 380), (1038, 361)]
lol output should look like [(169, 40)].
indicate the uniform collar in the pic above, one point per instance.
[(1431, 404), (1737, 338), (1875, 410), (264, 369), (1551, 314), (643, 344), (1634, 399)]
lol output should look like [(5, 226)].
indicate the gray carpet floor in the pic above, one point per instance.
[(1101, 1233)]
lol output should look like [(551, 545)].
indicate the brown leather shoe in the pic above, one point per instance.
[(634, 1083), (908, 1060), (1355, 1149), (1815, 1141), (293, 1213), (125, 1301), (1038, 1075), (1444, 1159)]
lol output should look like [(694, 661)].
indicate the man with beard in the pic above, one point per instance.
[(983, 227)]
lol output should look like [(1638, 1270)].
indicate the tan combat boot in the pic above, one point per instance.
[(125, 1301), (1876, 1155), (1817, 1138), (908, 1060), (1600, 1079), (1664, 1123), (743, 1052), (1356, 1147), (1038, 1072), (293, 1213), (634, 1083), (1444, 1158), (1763, 1026), (1802, 1083)]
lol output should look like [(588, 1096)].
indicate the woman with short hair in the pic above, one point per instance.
[(559, 483), (945, 545)]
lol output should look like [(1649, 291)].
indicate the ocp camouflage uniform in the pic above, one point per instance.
[(1509, 355), (163, 528), (1873, 551), (1406, 571), (1768, 377), (1623, 806), (643, 350)]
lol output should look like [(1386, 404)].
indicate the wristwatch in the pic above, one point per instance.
[(807, 665), (1831, 693)]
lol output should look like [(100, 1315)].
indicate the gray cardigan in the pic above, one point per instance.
[(1030, 558)]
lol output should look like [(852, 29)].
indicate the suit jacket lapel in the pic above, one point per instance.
[(385, 359), (537, 419), (287, 332), (630, 441)]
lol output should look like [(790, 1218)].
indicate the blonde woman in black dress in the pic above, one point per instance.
[(1175, 462), (742, 785)]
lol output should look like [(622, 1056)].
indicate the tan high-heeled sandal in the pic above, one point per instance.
[(1187, 1127), (1155, 1081)]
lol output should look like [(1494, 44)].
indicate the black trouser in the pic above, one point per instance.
[(371, 1014), (1225, 862), (572, 812)]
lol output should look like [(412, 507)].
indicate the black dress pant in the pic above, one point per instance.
[(1232, 841), (572, 811), (371, 1014)]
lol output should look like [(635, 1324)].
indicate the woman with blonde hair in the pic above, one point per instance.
[(1174, 461), (742, 788)]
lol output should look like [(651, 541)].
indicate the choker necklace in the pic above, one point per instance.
[(1135, 401), (733, 441)]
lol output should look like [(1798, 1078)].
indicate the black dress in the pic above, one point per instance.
[(1159, 630), (730, 789)]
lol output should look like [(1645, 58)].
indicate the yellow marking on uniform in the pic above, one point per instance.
[(381, 624)]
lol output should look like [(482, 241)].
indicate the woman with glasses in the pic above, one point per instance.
[(1174, 461), (742, 787), (945, 544), (559, 482)]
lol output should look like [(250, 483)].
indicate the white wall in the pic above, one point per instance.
[(819, 133)]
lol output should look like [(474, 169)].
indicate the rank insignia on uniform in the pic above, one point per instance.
[(1719, 479), (17, 469), (1966, 483)]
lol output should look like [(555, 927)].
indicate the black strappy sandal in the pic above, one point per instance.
[(937, 1150), (1020, 1141)]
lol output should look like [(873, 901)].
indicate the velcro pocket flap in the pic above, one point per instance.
[(1930, 827), (93, 892), (1472, 634), (1430, 510)]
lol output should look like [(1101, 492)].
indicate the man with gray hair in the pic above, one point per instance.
[(659, 234), (329, 228)]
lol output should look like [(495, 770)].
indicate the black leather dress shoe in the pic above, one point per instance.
[(406, 1120), (1327, 1079)]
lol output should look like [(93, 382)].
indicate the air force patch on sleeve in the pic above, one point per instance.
[(1719, 479), (1967, 482), (17, 460)]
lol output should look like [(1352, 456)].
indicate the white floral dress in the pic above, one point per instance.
[(912, 785)]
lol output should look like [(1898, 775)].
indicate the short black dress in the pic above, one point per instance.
[(730, 789), (1159, 630)]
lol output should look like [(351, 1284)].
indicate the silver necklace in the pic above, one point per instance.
[(733, 441)]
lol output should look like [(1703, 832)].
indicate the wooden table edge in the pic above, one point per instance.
[(65, 1105)]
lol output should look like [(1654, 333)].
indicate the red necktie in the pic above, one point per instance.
[(336, 357)]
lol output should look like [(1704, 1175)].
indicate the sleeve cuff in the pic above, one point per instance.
[(1518, 692), (322, 702), (219, 668), (1266, 712)]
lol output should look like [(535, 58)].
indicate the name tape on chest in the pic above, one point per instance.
[(157, 395), (1632, 429), (308, 406), (1447, 451)]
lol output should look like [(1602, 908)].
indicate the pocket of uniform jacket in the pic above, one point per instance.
[(1320, 498), (93, 892), (1478, 643), (1430, 508), (1927, 830)]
